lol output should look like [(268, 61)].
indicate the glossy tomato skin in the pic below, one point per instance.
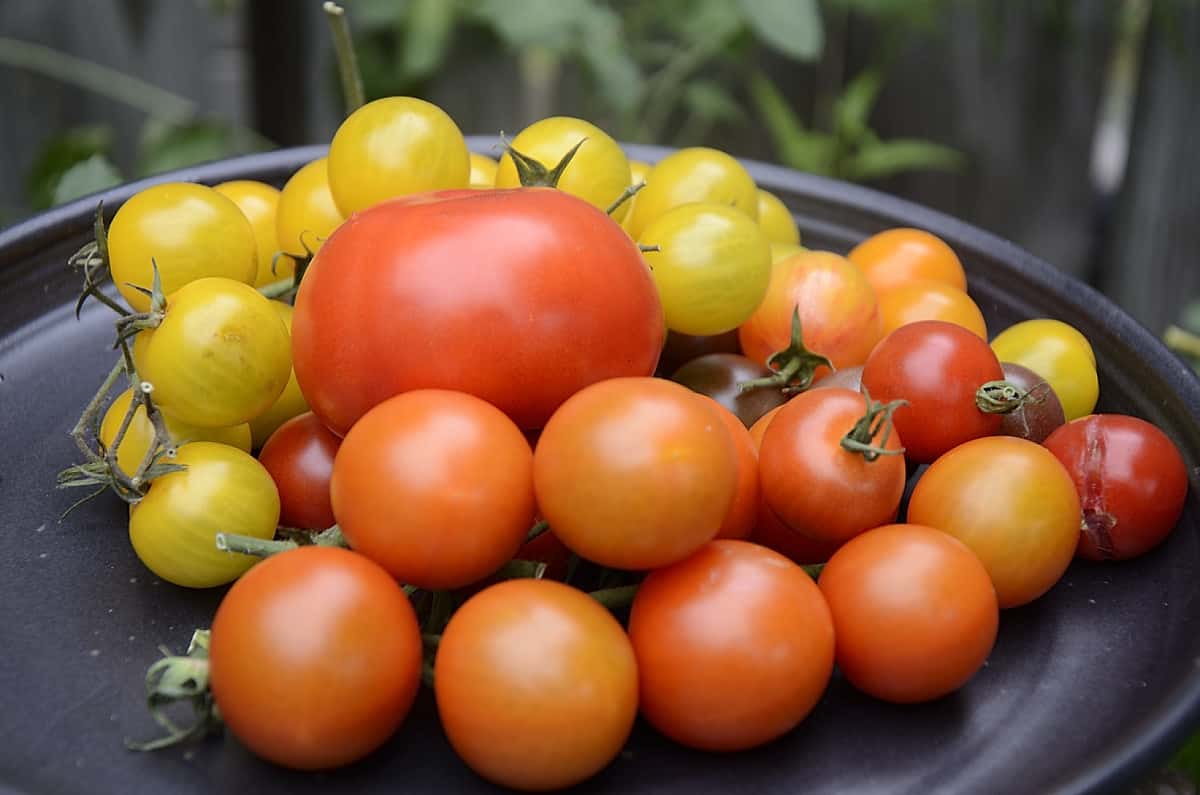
[(1131, 481), (776, 219), (299, 456), (536, 685), (743, 508), (773, 533), (937, 367), (694, 174), (259, 202), (718, 375), (291, 402), (635, 473), (315, 658), (899, 256), (839, 313), (306, 215), (846, 378), (221, 489), (734, 646), (914, 612), (483, 171), (817, 487), (1012, 503), (1040, 414), (435, 486), (928, 299), (1058, 353), (487, 292)]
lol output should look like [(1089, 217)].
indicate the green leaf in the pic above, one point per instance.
[(791, 27), (604, 52), (86, 177), (165, 147), (370, 16), (58, 155), (710, 23), (427, 30), (532, 23), (887, 158), (795, 146), (853, 107), (711, 100)]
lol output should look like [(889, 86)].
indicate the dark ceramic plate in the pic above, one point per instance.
[(1087, 689)]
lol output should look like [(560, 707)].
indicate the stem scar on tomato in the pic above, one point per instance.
[(878, 418)]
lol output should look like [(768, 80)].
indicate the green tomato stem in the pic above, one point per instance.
[(343, 45), (813, 569), (792, 368), (615, 598), (181, 678), (1000, 397), (877, 418), (539, 527), (625, 196), (249, 545)]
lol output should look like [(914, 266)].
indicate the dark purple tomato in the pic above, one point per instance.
[(1037, 417), (679, 349), (719, 375)]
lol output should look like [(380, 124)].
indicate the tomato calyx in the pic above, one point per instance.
[(1001, 397), (264, 548), (176, 678), (876, 420), (793, 368), (616, 598), (92, 260), (533, 174)]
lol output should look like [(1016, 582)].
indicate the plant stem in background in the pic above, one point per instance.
[(352, 86)]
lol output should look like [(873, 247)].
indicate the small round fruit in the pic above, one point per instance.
[(536, 685), (306, 215), (711, 268), (393, 147), (299, 457), (776, 219), (259, 203), (221, 489), (914, 612), (719, 375), (189, 231), (899, 256), (290, 403), (929, 300), (695, 174), (1058, 353), (483, 171), (1040, 413)]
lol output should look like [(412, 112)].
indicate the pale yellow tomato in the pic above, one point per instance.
[(291, 402), (696, 174), (781, 251), (776, 219), (483, 171), (1058, 353), (259, 202), (306, 214)]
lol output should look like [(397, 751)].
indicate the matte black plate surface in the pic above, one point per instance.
[(1087, 688)]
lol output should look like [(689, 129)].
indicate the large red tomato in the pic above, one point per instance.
[(520, 297)]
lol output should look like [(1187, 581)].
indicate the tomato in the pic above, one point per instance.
[(259, 203), (486, 292), (290, 403), (711, 269), (1039, 414), (718, 375), (679, 349), (598, 173), (637, 176), (314, 658), (846, 378), (839, 314), (783, 251), (1058, 353), (140, 433), (773, 533), (734, 646), (899, 256), (743, 508), (914, 612), (306, 215), (189, 231), (392, 147), (635, 473), (814, 482), (929, 300), (1012, 503), (483, 171), (435, 486), (1131, 481), (220, 356), (937, 367), (536, 685), (776, 219), (695, 174), (299, 457), (759, 428), (221, 490)]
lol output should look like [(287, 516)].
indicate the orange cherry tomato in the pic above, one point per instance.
[(743, 509), (926, 299), (898, 256)]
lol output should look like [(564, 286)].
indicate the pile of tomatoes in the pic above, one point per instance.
[(470, 460)]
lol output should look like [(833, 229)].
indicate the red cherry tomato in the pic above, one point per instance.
[(520, 297), (937, 367), (743, 508), (435, 486), (773, 533), (734, 646), (914, 612), (814, 483), (299, 455), (1131, 481), (315, 657)]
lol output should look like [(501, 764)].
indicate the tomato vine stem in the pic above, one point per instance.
[(877, 418), (625, 196), (792, 368), (180, 678), (343, 45)]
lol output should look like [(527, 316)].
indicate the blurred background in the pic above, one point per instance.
[(1065, 126)]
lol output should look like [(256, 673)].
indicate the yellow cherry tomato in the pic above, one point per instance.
[(221, 355), (1058, 353), (220, 490), (483, 171), (696, 174), (929, 300), (712, 268), (637, 174), (289, 404), (190, 231), (598, 173), (776, 219), (258, 202), (393, 147), (781, 251), (140, 433), (306, 214)]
